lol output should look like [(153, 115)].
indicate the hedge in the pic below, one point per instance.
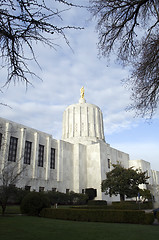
[(157, 216), (97, 202), (101, 207), (131, 205), (136, 217)]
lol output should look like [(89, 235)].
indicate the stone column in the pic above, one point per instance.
[(35, 154), (5, 144), (76, 168), (21, 148), (60, 161), (47, 162)]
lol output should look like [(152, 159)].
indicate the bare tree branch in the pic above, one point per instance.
[(24, 22), (9, 177), (130, 28), (145, 78)]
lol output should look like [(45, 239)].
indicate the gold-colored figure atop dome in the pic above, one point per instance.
[(82, 92)]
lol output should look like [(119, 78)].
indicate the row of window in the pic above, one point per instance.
[(27, 152), (42, 189)]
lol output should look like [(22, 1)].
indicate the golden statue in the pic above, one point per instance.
[(82, 92)]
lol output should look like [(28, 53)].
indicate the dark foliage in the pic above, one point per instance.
[(6, 194), (131, 29), (67, 198), (124, 182), (34, 202), (97, 202), (97, 215), (9, 177), (91, 192)]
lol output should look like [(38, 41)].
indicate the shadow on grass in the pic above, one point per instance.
[(29, 228)]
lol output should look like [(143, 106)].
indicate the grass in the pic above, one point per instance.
[(13, 209), (31, 228)]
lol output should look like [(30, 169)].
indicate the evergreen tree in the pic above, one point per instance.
[(124, 182)]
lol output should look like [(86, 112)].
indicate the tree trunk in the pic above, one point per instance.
[(3, 208), (122, 197)]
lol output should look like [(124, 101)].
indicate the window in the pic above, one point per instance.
[(67, 190), (54, 189), (41, 189), (109, 163), (27, 188), (12, 149), (52, 158), (41, 156), (0, 140), (83, 191), (27, 152)]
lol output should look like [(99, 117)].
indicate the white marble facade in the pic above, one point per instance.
[(80, 160)]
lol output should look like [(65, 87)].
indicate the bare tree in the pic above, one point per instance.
[(10, 173), (131, 28), (24, 22), (9, 177)]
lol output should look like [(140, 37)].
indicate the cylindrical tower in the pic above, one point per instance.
[(83, 122)]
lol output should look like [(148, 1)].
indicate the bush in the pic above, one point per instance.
[(97, 202), (104, 207), (78, 198), (131, 205), (137, 217), (149, 218), (157, 216), (34, 202), (67, 198), (20, 194), (146, 205), (58, 197), (91, 192)]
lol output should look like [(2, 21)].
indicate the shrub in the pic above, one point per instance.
[(67, 198), (104, 207), (149, 218), (146, 205), (78, 198), (97, 202), (58, 197), (157, 216), (91, 192), (34, 202), (20, 194), (131, 205), (137, 217)]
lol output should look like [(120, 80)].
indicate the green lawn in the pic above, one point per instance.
[(34, 228), (11, 209)]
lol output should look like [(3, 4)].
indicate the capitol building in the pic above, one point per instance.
[(78, 161)]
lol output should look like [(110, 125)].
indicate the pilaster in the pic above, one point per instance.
[(5, 144), (47, 162), (60, 162), (35, 154), (21, 146)]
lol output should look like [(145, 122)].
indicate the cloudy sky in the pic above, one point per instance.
[(64, 72)]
